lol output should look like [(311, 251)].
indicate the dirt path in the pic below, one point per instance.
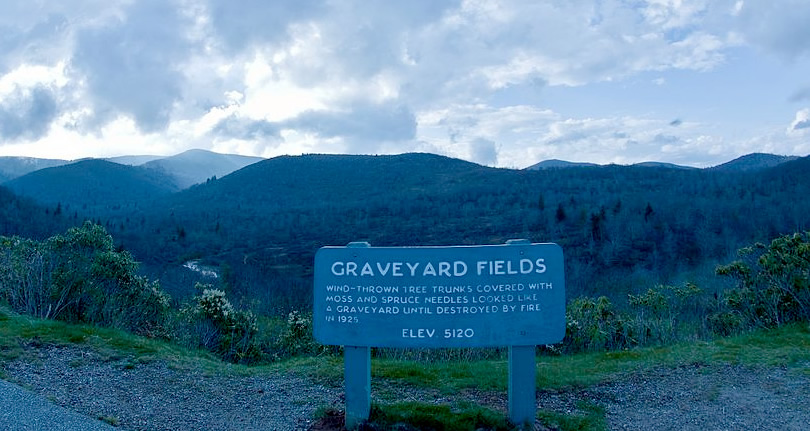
[(153, 396)]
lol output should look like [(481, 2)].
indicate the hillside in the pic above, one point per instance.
[(197, 166), (14, 167), (92, 187), (557, 164), (23, 217), (622, 227), (753, 162)]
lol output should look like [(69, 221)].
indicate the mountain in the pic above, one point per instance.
[(750, 162), (13, 167), (133, 160), (23, 217), (197, 166), (557, 164), (307, 181), (93, 186), (753, 162), (661, 165), (623, 228)]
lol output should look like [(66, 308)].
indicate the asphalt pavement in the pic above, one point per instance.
[(23, 410)]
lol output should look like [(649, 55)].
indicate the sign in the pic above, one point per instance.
[(480, 296)]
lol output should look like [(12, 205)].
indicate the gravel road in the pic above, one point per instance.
[(153, 396)]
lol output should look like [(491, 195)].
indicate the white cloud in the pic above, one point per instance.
[(801, 124), (265, 77)]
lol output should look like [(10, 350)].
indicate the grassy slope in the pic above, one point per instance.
[(786, 347)]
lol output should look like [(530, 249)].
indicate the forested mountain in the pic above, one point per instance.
[(23, 217), (185, 169), (622, 228), (13, 167), (197, 166), (753, 162), (555, 164), (133, 160), (93, 188)]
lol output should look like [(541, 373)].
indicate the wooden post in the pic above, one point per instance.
[(357, 375)]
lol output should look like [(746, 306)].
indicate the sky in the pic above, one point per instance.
[(504, 83)]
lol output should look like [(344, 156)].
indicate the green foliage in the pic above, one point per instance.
[(80, 277), (425, 416), (211, 322), (594, 325), (773, 286), (297, 337)]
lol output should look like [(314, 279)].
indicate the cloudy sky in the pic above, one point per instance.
[(498, 82)]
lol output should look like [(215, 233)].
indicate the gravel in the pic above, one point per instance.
[(154, 396)]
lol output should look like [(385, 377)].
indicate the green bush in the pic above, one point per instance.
[(773, 285), (663, 314), (211, 322), (593, 325), (297, 337), (79, 277)]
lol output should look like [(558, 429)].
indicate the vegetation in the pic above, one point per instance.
[(424, 416), (642, 252), (623, 228)]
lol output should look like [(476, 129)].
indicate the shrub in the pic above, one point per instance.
[(593, 324), (773, 285), (297, 337), (79, 277), (212, 323), (663, 311)]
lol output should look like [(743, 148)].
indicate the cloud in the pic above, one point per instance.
[(132, 66), (483, 151), (34, 44), (801, 122), (27, 114), (236, 127), (782, 26), (244, 24), (362, 127)]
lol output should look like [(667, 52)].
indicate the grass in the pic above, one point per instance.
[(588, 417), (425, 416)]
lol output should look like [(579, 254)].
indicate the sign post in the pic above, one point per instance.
[(440, 297), (357, 377), (522, 376)]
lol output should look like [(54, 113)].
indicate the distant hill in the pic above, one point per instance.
[(662, 165), (91, 185), (753, 162), (310, 180), (750, 162), (13, 167), (557, 164), (197, 166), (133, 160)]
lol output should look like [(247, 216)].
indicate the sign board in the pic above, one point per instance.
[(476, 296)]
